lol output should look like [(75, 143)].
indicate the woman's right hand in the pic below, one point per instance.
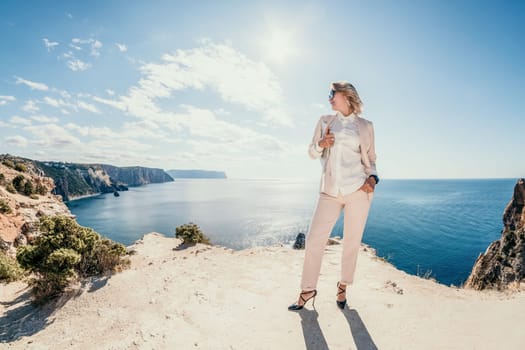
[(328, 139)]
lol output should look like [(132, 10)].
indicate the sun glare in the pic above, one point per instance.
[(279, 46)]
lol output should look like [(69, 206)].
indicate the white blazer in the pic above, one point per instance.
[(368, 154)]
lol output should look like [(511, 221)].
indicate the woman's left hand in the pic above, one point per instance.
[(369, 185)]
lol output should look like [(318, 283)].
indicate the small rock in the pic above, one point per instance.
[(333, 241), (299, 241)]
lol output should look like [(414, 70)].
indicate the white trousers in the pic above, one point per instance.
[(356, 206)]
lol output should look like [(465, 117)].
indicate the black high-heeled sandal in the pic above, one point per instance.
[(295, 307), (341, 304)]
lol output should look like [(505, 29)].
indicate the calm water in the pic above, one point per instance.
[(436, 226)]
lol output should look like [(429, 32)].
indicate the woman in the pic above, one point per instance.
[(345, 143)]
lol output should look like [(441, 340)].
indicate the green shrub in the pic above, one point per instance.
[(28, 188), (65, 252), (40, 189), (191, 234), (9, 268), (18, 183), (8, 163), (10, 188), (21, 167), (4, 207), (2, 179)]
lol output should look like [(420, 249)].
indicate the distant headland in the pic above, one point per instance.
[(196, 174)]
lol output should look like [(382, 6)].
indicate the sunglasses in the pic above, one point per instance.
[(331, 94)]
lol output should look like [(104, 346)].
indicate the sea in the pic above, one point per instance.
[(431, 228)]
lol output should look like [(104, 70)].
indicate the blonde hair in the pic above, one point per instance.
[(351, 95)]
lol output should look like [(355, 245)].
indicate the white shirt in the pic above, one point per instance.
[(349, 171)]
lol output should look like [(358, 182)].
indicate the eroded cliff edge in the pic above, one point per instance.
[(502, 266)]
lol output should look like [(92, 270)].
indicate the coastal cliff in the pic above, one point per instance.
[(502, 265), (73, 180), (21, 207), (136, 175), (30, 189), (76, 180)]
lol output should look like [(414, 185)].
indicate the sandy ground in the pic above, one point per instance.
[(214, 298)]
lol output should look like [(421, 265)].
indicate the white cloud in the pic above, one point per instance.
[(33, 85), (122, 47), (95, 48), (87, 107), (19, 120), (219, 68), (50, 45), (110, 92), (54, 102), (94, 132), (78, 65), (221, 111), (277, 116), (145, 129), (94, 45), (17, 140), (4, 100), (7, 98), (30, 107), (77, 59), (73, 46), (235, 77), (52, 135), (44, 119), (115, 104), (62, 93), (66, 104)]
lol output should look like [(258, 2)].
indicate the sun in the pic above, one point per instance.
[(279, 46)]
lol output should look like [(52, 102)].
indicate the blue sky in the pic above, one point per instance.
[(238, 86)]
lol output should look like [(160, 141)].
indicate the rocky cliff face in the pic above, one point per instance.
[(503, 264), (73, 180), (136, 176), (76, 180), (19, 212)]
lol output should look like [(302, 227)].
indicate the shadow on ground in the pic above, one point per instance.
[(24, 319), (315, 340), (313, 335), (362, 338)]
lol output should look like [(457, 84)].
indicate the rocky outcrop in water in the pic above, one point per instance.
[(502, 265)]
